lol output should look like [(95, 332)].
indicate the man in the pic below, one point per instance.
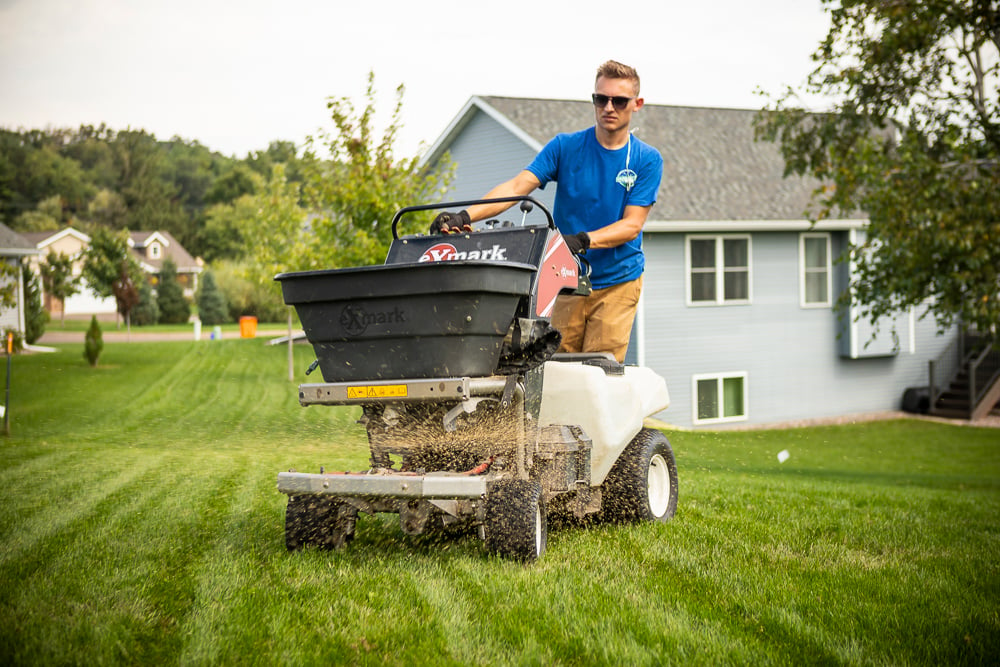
[(608, 181)]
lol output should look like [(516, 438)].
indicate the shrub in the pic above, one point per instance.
[(94, 342), (17, 344), (212, 307), (174, 308), (147, 311), (35, 316), (248, 298)]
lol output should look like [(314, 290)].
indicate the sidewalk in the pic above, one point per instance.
[(138, 336)]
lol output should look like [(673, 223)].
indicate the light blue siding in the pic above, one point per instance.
[(486, 154), (791, 354)]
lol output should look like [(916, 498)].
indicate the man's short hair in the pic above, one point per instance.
[(613, 69)]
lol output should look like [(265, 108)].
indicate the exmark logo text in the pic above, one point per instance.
[(446, 252), (356, 319)]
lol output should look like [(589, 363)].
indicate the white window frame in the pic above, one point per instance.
[(803, 270), (154, 251), (720, 269), (720, 378)]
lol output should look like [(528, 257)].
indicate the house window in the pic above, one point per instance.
[(718, 270), (154, 251), (720, 398), (814, 258)]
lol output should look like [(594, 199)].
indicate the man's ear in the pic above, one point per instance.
[(639, 102)]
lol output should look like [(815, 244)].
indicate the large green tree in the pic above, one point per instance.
[(353, 195), (912, 140), (109, 268), (340, 214)]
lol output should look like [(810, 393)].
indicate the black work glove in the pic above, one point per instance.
[(451, 223), (578, 244)]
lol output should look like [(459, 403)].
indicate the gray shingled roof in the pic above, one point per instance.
[(174, 251), (12, 243), (713, 168)]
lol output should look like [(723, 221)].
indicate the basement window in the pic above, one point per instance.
[(720, 398)]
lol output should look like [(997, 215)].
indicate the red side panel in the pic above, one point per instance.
[(558, 271)]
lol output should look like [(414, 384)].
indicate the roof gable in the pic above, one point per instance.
[(145, 239), (13, 244), (42, 240), (714, 169)]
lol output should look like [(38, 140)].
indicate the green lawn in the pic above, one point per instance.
[(140, 524)]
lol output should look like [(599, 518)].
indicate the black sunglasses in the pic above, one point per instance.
[(601, 101)]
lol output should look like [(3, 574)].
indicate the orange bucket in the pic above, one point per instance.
[(248, 327)]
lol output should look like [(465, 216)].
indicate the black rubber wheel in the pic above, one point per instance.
[(516, 523), (323, 522), (642, 485)]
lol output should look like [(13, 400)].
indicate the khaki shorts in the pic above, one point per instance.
[(601, 322)]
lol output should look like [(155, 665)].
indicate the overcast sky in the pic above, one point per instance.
[(235, 75)]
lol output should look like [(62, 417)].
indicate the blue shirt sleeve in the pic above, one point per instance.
[(545, 166), (650, 173)]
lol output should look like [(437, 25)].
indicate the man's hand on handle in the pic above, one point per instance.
[(451, 223), (578, 244)]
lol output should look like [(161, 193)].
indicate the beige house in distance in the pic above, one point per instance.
[(150, 249)]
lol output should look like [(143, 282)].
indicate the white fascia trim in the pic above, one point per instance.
[(852, 310), (156, 236), (462, 119), (710, 226), (18, 252), (69, 231)]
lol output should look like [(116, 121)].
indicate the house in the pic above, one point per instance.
[(14, 248), (150, 249), (154, 248), (738, 308), (72, 243)]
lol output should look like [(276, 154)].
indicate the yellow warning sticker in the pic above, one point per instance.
[(378, 391)]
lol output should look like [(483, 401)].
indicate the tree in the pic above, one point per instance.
[(46, 217), (35, 317), (273, 226), (9, 272), (912, 140), (109, 267), (174, 308), (58, 279), (212, 307), (126, 292), (151, 198), (354, 196), (146, 311), (108, 209)]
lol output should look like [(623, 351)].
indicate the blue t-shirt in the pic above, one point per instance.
[(593, 193)]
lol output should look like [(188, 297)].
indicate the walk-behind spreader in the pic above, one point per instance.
[(448, 349)]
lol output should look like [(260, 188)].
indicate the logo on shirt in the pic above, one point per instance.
[(626, 178)]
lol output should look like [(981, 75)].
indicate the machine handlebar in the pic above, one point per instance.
[(472, 202)]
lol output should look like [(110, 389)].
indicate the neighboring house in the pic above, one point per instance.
[(14, 248), (150, 249), (737, 310), (153, 248), (72, 243)]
